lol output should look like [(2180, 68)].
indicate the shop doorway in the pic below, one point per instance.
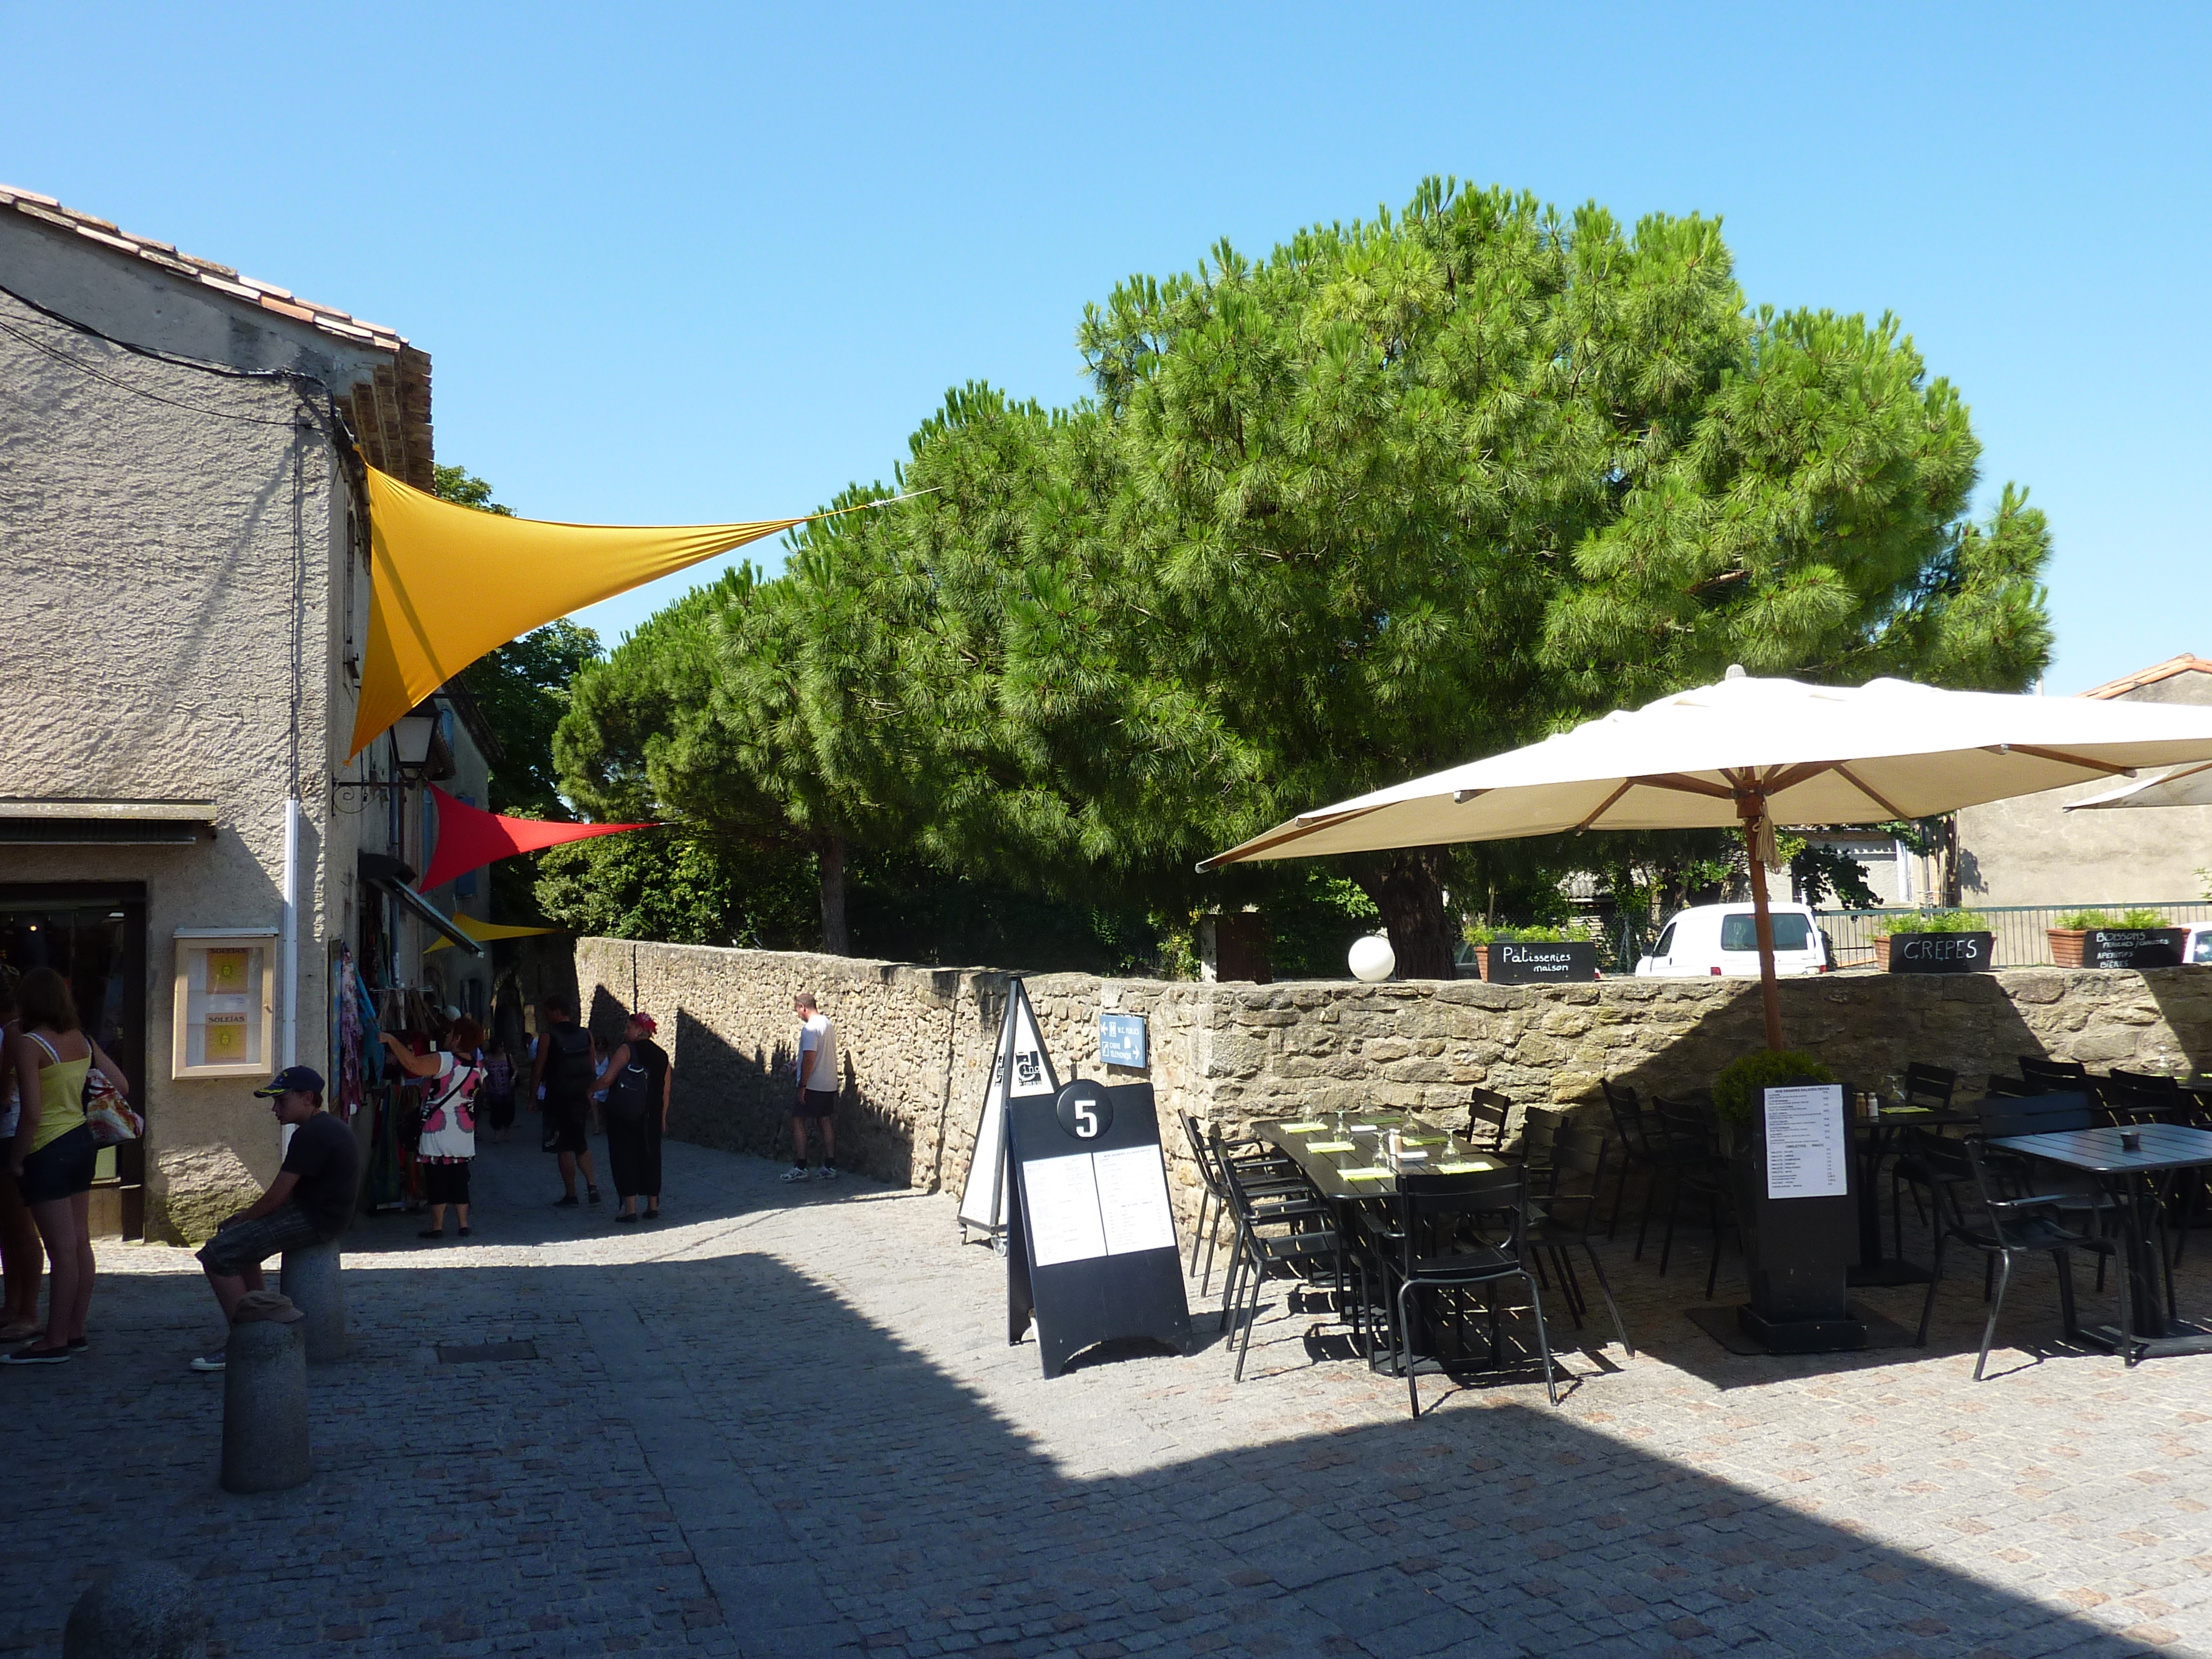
[(93, 934)]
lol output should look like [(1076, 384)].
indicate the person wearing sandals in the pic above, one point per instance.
[(449, 1118), (309, 1203), (22, 1258), (637, 1080), (52, 1156)]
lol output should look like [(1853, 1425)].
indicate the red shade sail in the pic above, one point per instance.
[(469, 837)]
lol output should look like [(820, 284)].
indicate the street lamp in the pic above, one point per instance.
[(412, 735)]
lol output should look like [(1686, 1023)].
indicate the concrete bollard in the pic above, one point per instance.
[(145, 1610), (265, 1406), (310, 1281)]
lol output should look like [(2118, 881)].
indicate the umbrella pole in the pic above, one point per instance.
[(1753, 809)]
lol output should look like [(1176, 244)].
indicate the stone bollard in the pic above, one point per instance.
[(311, 1283), (265, 1406), (143, 1611)]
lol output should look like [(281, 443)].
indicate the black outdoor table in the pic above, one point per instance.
[(1874, 1137), (1448, 1154), (2137, 1181)]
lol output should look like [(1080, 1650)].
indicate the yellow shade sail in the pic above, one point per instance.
[(485, 931), (449, 583)]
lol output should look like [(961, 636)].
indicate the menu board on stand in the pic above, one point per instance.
[(1091, 1252)]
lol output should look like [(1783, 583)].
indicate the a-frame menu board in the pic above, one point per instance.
[(1090, 1244), (1020, 1067)]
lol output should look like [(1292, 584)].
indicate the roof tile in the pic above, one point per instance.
[(223, 278)]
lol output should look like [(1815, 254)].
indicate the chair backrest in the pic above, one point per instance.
[(2148, 1082), (2042, 1075), (1577, 1177), (2037, 1115), (1993, 1215), (1487, 1113), (1686, 1128), (1540, 1130), (2008, 1088), (1930, 1085), (2129, 1101), (1943, 1165), (1202, 1154), (1627, 1114), (1432, 1205)]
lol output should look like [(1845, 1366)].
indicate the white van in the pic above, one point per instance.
[(1724, 938)]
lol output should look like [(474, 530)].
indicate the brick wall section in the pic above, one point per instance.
[(916, 1041)]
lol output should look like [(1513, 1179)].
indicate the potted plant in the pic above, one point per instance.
[(2096, 939), (1531, 956), (1797, 1249), (1934, 942)]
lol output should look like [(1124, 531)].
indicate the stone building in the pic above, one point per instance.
[(2030, 850), (184, 602)]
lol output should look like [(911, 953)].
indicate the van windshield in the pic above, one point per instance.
[(1667, 941), (1740, 932)]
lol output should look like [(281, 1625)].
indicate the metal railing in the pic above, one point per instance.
[(2021, 930)]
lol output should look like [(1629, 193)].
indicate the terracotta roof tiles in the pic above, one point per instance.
[(222, 278), (2184, 664)]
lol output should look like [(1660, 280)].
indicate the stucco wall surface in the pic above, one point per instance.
[(2030, 850), (146, 641), (917, 1041)]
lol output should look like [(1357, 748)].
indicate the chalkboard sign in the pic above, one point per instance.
[(2133, 947), (1941, 953), (1090, 1248), (1533, 962), (1019, 1067), (1121, 1040)]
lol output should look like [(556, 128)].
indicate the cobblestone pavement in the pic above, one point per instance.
[(785, 1421)]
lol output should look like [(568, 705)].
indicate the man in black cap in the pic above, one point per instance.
[(310, 1201)]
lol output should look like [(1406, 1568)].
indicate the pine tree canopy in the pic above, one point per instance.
[(1404, 493)]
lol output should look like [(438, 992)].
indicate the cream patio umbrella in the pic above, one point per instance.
[(1758, 752), (2185, 785)]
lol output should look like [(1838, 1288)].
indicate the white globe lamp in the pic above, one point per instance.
[(1372, 959)]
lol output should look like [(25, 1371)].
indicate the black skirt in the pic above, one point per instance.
[(634, 1155)]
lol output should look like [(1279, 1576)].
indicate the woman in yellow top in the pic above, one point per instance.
[(51, 1155)]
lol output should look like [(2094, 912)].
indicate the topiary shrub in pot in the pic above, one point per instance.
[(1736, 1091)]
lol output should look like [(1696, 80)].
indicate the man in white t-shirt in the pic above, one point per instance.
[(819, 1081)]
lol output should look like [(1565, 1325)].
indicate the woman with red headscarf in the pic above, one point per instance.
[(638, 1079)]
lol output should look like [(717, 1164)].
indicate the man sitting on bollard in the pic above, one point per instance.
[(309, 1203)]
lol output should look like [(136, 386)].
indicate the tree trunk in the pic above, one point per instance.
[(1407, 888), (831, 857)]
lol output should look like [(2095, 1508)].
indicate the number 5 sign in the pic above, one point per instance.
[(1085, 1110)]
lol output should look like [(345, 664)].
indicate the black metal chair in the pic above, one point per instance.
[(1930, 1085), (1280, 1234), (1428, 1244), (1696, 1171), (2008, 1088), (1265, 1168), (2021, 1177), (1643, 1147), (2133, 1098), (1486, 1113), (1564, 1214), (2049, 1076), (2001, 1229)]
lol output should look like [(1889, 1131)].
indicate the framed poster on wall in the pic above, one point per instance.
[(226, 1001)]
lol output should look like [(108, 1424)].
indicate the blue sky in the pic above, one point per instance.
[(692, 263)]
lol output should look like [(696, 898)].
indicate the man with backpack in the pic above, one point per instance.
[(561, 1077)]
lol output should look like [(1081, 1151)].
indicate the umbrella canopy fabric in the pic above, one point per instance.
[(1758, 752), (1812, 754), (485, 931), (2185, 785)]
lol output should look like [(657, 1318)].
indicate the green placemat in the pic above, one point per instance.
[(1901, 1111), (1303, 1129), (1474, 1167), (1424, 1141), (1377, 1173), (1330, 1146)]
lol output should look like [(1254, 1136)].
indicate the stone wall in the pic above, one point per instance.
[(916, 1041)]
